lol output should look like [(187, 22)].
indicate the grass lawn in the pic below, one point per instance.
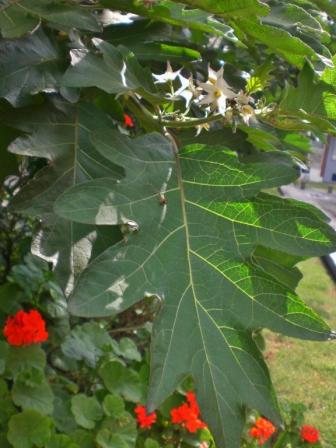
[(305, 371)]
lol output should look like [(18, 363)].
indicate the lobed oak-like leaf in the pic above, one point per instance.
[(61, 135), (205, 236)]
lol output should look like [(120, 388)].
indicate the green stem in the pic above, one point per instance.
[(191, 122)]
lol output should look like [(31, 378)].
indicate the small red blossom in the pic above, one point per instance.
[(309, 434), (145, 420), (25, 328), (187, 415), (128, 122), (262, 430)]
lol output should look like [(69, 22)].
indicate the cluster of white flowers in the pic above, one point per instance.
[(215, 94)]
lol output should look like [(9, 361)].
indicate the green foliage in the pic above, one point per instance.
[(29, 429), (24, 16), (113, 405), (87, 342), (86, 410), (197, 192), (231, 7), (32, 391), (122, 380), (163, 232), (28, 67), (65, 143)]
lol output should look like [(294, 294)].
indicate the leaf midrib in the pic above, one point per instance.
[(186, 229)]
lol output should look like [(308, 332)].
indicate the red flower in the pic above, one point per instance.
[(187, 414), (309, 434), (262, 430), (25, 328), (128, 122), (145, 420)]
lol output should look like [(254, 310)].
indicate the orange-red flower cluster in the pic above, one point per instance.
[(25, 328), (309, 434), (145, 420), (187, 414), (262, 430), (128, 122)]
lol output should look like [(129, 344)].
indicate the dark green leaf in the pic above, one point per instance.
[(84, 439), (128, 349), (315, 109), (86, 410), (31, 391), (8, 161), (122, 380), (3, 356), (106, 439), (114, 69), (61, 441), (87, 342), (279, 265), (3, 441), (20, 17), (231, 8), (278, 40), (196, 254), (113, 405), (288, 15), (118, 433), (29, 429), (11, 297), (151, 443), (28, 66), (178, 15), (22, 358), (62, 136), (7, 408), (62, 415)]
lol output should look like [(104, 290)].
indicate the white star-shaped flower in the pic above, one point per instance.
[(168, 75), (188, 90), (218, 91)]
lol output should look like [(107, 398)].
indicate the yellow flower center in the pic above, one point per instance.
[(247, 110), (217, 93)]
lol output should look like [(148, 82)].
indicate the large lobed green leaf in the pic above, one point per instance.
[(205, 236), (61, 135)]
